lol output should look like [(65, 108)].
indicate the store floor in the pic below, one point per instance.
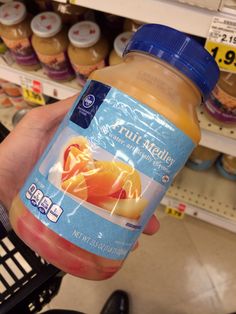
[(189, 267)]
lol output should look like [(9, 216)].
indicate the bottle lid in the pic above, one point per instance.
[(12, 13), (180, 51), (46, 24), (84, 34), (121, 42)]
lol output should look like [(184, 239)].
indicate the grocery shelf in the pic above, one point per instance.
[(187, 18), (206, 195), (213, 136), (217, 137), (50, 88)]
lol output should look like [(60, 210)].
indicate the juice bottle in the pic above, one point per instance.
[(115, 154)]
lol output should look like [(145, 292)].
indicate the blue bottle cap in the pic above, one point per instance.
[(180, 51)]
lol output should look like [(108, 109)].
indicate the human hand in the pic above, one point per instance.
[(22, 148)]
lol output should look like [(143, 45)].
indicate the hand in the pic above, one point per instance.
[(24, 145)]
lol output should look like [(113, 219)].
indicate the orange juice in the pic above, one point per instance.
[(115, 154)]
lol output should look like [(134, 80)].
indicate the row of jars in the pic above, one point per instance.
[(203, 158), (43, 41), (83, 49)]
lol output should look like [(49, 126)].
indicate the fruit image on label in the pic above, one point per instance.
[(111, 185), (106, 170)]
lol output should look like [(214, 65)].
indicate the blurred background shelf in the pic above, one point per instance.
[(187, 18), (205, 195), (213, 136)]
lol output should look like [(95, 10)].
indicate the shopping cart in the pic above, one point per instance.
[(27, 282)]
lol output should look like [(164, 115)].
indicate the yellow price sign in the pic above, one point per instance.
[(224, 55), (174, 212), (32, 96), (221, 43)]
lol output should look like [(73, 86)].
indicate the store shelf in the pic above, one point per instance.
[(53, 89), (213, 136), (206, 195), (220, 138), (189, 19)]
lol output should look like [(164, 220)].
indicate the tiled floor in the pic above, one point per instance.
[(189, 267)]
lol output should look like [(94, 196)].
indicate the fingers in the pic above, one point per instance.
[(152, 226), (46, 117)]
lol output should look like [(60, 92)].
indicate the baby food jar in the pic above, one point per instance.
[(87, 50), (202, 158), (117, 151), (16, 33), (132, 25), (221, 105), (50, 43), (69, 13), (226, 166), (120, 43)]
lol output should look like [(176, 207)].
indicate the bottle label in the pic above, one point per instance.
[(83, 71), (221, 106), (22, 51), (105, 171), (57, 67)]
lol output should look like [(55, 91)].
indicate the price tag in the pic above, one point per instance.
[(221, 43), (32, 91), (176, 211)]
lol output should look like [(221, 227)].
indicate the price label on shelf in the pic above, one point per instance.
[(221, 43), (32, 91), (175, 209)]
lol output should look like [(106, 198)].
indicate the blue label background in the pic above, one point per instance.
[(111, 108)]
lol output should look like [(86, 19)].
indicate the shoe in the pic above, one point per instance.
[(118, 303)]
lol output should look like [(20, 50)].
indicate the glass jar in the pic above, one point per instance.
[(50, 42), (88, 49), (120, 43), (16, 33), (69, 13), (202, 158), (221, 105), (226, 167), (132, 25)]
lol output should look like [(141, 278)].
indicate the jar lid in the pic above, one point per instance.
[(121, 42), (46, 24), (12, 13), (180, 51), (84, 34)]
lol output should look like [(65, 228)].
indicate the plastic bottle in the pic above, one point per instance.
[(221, 105), (88, 49), (115, 154), (120, 43), (16, 33), (50, 42)]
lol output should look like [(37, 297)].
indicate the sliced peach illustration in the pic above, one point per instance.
[(77, 157), (76, 186), (129, 208), (112, 178)]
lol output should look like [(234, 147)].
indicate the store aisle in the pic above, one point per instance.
[(189, 267)]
